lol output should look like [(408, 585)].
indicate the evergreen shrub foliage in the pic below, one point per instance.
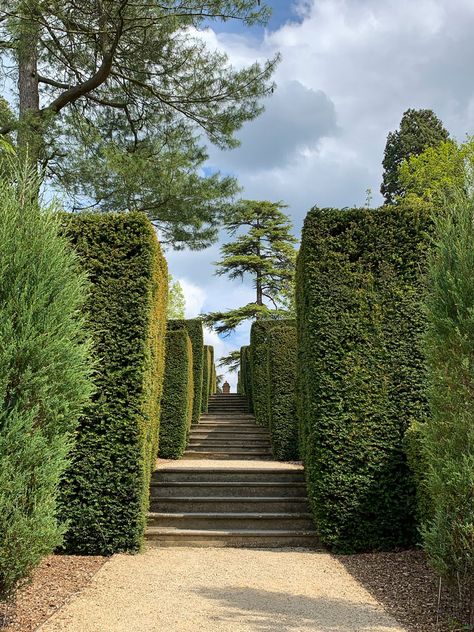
[(206, 377), (106, 489), (361, 374), (259, 367), (178, 395), (45, 374), (448, 436), (246, 373), (195, 332), (281, 351)]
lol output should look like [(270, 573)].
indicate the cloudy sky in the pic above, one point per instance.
[(349, 70)]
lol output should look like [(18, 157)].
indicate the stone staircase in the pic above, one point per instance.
[(225, 492)]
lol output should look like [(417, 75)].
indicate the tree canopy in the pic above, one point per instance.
[(117, 98), (419, 129), (263, 249)]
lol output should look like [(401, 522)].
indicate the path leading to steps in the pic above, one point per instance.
[(223, 590)]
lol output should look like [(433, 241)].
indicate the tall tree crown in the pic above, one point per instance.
[(419, 129)]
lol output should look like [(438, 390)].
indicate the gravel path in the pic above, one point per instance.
[(222, 590)]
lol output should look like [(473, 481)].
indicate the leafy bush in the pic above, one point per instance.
[(361, 375), (448, 437), (194, 328), (259, 367), (45, 371), (105, 492), (178, 395), (281, 351), (212, 372)]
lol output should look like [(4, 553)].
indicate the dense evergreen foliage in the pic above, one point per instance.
[(45, 374), (361, 375), (178, 395), (283, 419), (263, 249), (246, 374), (195, 331), (448, 437), (105, 492), (259, 340), (419, 129), (206, 377)]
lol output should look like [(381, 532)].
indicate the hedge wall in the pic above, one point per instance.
[(206, 377), (282, 413), (246, 374), (259, 367), (178, 395), (212, 371), (361, 374), (196, 334), (105, 492)]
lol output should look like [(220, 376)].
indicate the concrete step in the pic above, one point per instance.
[(210, 504), (229, 455), (230, 426), (233, 442), (236, 476), (240, 521), (232, 538), (224, 433), (224, 489), (229, 416)]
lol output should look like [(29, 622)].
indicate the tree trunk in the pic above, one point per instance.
[(29, 133)]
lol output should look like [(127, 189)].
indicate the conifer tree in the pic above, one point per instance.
[(419, 129), (263, 249)]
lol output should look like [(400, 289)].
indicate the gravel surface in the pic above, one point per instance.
[(222, 590), (408, 588), (54, 582)]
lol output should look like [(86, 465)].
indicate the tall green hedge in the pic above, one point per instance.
[(283, 424), (246, 373), (212, 371), (105, 492), (259, 367), (361, 376), (206, 377), (178, 395), (195, 331)]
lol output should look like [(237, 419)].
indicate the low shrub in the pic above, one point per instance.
[(361, 372), (282, 414), (178, 395), (45, 374), (105, 491), (195, 331)]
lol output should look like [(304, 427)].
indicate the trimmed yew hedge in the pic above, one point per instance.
[(259, 367), (104, 494), (246, 374), (195, 331), (206, 377), (361, 376), (178, 395), (283, 425)]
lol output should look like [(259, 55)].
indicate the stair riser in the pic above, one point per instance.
[(169, 505), (230, 541), (191, 522), (225, 434), (184, 489), (226, 456), (230, 443), (239, 476)]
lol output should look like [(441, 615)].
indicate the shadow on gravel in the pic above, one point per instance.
[(267, 611)]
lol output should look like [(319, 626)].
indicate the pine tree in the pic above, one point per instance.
[(264, 250), (419, 129)]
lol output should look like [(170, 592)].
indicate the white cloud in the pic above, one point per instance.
[(195, 298)]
